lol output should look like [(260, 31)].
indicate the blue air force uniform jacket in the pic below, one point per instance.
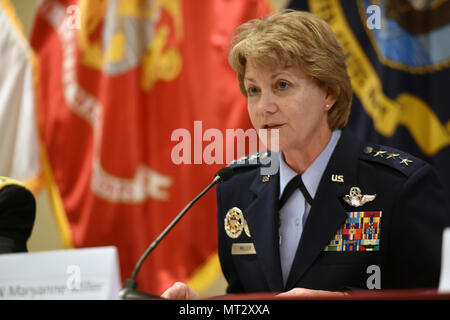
[(397, 234)]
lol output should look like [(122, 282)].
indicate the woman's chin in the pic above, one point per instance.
[(272, 147)]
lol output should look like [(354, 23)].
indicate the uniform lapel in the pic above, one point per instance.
[(327, 214), (262, 219)]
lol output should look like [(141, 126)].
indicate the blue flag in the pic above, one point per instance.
[(398, 58)]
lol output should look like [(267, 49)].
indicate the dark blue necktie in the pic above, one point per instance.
[(295, 183)]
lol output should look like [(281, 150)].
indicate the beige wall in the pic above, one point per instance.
[(25, 11)]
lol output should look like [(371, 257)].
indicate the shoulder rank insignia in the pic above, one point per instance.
[(251, 159), (234, 222), (368, 150), (356, 199)]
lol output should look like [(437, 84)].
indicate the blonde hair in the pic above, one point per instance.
[(295, 38)]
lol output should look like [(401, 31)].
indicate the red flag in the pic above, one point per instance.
[(117, 78)]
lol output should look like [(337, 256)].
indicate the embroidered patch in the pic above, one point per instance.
[(360, 232)]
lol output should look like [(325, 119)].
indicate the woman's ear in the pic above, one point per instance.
[(330, 98)]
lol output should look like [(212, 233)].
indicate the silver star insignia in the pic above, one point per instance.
[(392, 155), (405, 161), (379, 153)]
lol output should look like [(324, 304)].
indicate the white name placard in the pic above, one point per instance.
[(444, 282), (90, 273)]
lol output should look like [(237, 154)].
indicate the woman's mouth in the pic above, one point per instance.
[(272, 126)]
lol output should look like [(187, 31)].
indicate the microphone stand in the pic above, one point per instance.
[(129, 290)]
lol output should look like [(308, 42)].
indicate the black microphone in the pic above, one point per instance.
[(129, 291)]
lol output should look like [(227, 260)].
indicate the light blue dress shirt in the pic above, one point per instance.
[(294, 213)]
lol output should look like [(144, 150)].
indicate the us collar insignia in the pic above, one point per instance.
[(234, 222), (356, 199)]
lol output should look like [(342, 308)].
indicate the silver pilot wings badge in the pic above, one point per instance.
[(356, 199)]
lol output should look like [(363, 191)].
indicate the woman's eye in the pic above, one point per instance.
[(282, 84), (252, 91)]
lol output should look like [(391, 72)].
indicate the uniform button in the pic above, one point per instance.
[(368, 150), (297, 222)]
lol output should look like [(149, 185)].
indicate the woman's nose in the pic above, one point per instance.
[(267, 102)]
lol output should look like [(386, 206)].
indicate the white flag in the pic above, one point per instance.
[(19, 140)]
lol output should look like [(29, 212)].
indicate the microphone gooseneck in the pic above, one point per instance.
[(130, 285)]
